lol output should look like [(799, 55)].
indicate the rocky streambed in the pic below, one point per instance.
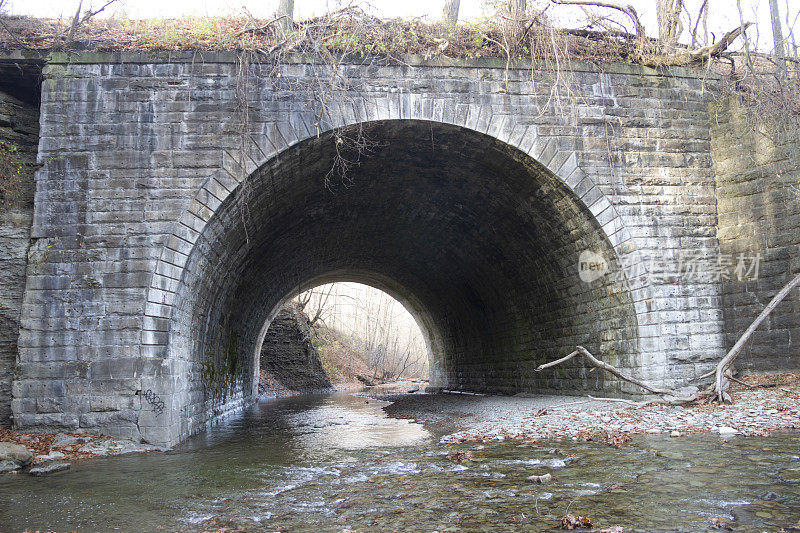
[(47, 453), (772, 405), (339, 462)]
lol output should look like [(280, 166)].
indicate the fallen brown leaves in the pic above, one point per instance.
[(460, 456), (42, 443), (617, 440), (575, 522)]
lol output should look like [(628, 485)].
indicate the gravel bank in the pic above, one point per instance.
[(772, 406)]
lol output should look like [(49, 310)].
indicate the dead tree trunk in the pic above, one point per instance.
[(286, 14), (669, 23), (450, 12), (721, 382), (777, 38)]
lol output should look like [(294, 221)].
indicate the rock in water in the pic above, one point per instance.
[(9, 466), (725, 430), (545, 478), (49, 468), (15, 452)]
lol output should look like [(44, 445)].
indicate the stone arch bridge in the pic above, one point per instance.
[(174, 212)]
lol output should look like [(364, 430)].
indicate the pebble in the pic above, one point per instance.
[(52, 456), (544, 478), (754, 412)]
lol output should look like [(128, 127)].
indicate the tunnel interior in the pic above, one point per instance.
[(478, 241)]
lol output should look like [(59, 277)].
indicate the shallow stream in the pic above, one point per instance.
[(336, 462)]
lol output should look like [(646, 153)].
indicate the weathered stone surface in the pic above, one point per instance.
[(49, 468), (15, 452), (52, 456), (9, 466), (19, 124), (288, 355), (757, 166), (163, 244), (113, 446), (62, 439)]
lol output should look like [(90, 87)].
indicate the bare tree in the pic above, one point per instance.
[(450, 12), (317, 303), (777, 37), (518, 9), (374, 328), (286, 14), (79, 20), (669, 23), (628, 9), (791, 22), (702, 16)]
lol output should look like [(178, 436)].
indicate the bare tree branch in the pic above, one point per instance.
[(726, 362), (627, 9), (580, 350), (714, 50)]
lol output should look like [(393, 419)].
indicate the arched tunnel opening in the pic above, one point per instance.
[(339, 336), (478, 241)]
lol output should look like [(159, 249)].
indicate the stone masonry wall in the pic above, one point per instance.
[(135, 149), (19, 125), (758, 188)]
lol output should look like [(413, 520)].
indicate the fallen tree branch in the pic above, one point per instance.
[(712, 50), (740, 382), (720, 380), (627, 9), (675, 396), (620, 400), (721, 372)]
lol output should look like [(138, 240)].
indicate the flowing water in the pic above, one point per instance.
[(337, 462)]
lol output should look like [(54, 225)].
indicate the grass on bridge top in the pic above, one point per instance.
[(349, 31)]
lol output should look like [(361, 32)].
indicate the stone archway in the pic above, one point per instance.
[(480, 239)]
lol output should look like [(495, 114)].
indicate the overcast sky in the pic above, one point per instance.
[(723, 13)]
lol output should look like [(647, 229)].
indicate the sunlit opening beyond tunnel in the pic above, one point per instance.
[(340, 335)]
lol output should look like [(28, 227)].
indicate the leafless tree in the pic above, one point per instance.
[(317, 303), (777, 37), (669, 23), (702, 17), (80, 19), (369, 319), (286, 14), (627, 9), (450, 11)]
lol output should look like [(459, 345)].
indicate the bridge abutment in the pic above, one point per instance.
[(168, 230)]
